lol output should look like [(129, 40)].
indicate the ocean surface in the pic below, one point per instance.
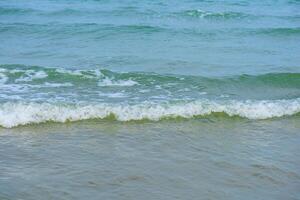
[(190, 99)]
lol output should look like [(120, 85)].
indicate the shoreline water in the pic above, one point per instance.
[(207, 158)]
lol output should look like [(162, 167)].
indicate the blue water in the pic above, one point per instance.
[(183, 37), (192, 99)]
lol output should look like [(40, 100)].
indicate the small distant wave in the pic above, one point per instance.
[(65, 12), (99, 31), (98, 12), (17, 11), (213, 15), (294, 1), (15, 114), (279, 31), (96, 29)]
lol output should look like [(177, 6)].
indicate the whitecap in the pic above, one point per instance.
[(14, 114)]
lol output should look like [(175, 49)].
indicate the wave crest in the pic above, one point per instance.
[(15, 114)]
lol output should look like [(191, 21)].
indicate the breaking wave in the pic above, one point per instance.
[(20, 113), (23, 73)]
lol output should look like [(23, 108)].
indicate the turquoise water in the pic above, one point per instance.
[(211, 74)]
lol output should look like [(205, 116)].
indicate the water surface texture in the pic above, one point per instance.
[(149, 99)]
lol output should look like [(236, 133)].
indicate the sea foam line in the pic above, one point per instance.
[(14, 114)]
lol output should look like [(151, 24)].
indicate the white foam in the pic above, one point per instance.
[(86, 74), (14, 88), (14, 114), (200, 13), (3, 78), (23, 88), (10, 96), (31, 75), (112, 95), (46, 84), (72, 72), (110, 82)]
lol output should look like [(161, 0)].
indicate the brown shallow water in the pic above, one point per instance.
[(208, 158)]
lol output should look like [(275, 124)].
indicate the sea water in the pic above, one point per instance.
[(149, 99)]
